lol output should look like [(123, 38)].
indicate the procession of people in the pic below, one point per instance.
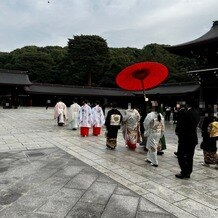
[(130, 123)]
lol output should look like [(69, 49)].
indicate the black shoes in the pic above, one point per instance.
[(153, 165), (148, 161), (182, 176)]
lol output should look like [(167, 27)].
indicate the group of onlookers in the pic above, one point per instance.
[(85, 117)]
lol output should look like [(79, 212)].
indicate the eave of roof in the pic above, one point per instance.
[(165, 89), (208, 38), (172, 89), (75, 90), (12, 77)]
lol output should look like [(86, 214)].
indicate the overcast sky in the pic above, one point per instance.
[(122, 23)]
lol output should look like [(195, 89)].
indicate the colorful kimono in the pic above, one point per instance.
[(60, 113), (131, 128), (112, 123), (73, 116), (209, 143), (85, 119), (98, 120), (154, 131)]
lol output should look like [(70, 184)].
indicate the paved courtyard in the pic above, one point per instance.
[(50, 171)]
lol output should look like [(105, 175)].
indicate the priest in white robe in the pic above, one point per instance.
[(60, 112), (73, 115)]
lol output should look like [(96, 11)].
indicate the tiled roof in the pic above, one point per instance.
[(76, 90), (170, 89), (210, 37), (14, 77), (98, 91)]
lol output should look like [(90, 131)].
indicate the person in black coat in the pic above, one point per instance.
[(180, 126), (188, 140)]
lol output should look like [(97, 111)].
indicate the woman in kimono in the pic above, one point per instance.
[(73, 115), (209, 143), (60, 112), (154, 129), (131, 128), (98, 119), (85, 119), (112, 123)]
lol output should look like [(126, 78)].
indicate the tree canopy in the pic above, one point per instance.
[(89, 56), (88, 61)]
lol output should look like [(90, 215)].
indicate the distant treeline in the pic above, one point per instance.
[(87, 60)]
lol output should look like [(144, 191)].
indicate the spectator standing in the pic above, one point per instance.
[(187, 141), (180, 126)]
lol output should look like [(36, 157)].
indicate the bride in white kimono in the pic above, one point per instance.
[(154, 129)]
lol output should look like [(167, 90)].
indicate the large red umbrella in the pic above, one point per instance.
[(142, 76)]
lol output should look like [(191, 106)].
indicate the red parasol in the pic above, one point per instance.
[(142, 76)]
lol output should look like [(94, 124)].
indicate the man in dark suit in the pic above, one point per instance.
[(180, 127), (187, 141)]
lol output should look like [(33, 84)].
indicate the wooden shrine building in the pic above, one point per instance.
[(16, 89), (205, 50)]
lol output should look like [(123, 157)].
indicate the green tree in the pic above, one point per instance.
[(89, 57)]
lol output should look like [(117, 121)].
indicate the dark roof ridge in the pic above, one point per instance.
[(74, 86)]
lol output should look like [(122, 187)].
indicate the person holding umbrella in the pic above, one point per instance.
[(154, 130)]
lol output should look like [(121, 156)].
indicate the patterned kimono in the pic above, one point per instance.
[(98, 120), (60, 113), (209, 143), (85, 119), (73, 116), (131, 128), (154, 131)]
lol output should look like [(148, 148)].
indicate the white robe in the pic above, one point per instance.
[(73, 116), (60, 110), (98, 118), (85, 116), (154, 131)]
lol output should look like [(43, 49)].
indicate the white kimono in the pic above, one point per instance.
[(154, 131), (85, 116), (73, 116), (98, 118), (60, 112)]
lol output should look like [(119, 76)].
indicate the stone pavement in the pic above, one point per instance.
[(50, 171)]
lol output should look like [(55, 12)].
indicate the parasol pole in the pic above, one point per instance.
[(143, 88)]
